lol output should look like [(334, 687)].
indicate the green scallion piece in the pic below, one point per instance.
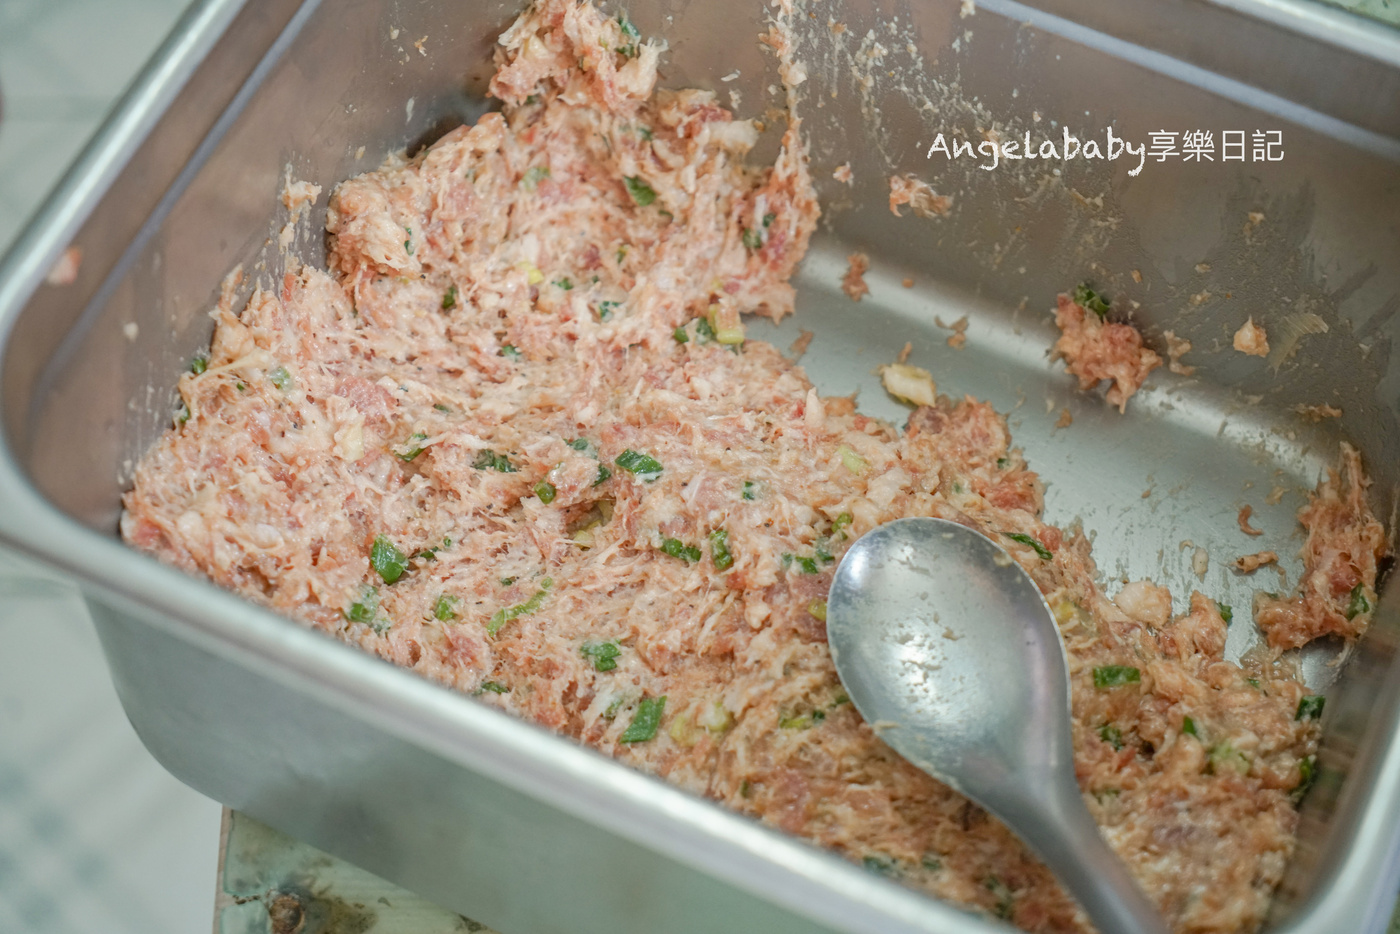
[(1188, 726), (1310, 707), (1086, 297), (752, 238), (545, 491), (199, 364), (1358, 603), (533, 176), (679, 549), (606, 310), (412, 447), (449, 298), (604, 475), (1227, 613), (680, 335), (495, 687), (1307, 775), (642, 466), (506, 614), (1045, 553), (1112, 735), (719, 550), (750, 490), (641, 192), (511, 353), (645, 720), (364, 608), (387, 560), (1113, 676), (565, 283), (603, 654), (445, 609), (817, 608), (490, 460)]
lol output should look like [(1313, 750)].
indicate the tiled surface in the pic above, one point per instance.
[(94, 835)]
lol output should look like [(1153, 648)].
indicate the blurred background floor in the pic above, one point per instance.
[(94, 835)]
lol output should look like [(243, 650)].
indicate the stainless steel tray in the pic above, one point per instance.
[(479, 811)]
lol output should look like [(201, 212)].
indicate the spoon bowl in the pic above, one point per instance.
[(948, 650)]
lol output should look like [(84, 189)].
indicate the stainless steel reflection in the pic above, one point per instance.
[(481, 812)]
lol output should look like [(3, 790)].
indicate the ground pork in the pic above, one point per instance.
[(514, 439), (1095, 349)]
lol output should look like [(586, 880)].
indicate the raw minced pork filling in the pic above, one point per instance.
[(514, 439)]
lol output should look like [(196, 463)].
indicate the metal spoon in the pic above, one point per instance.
[(949, 652)]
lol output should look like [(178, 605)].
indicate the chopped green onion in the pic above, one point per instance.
[(440, 407), (507, 581), (199, 364), (817, 608), (768, 219), (679, 549), (1112, 676), (750, 491), (641, 192), (1006, 900), (533, 176), (704, 331), (1112, 735), (606, 309), (931, 863), (808, 565), (719, 550), (564, 283), (1002, 462), (840, 522), (603, 654), (1225, 756), (490, 460), (449, 298), (1307, 775), (532, 99), (364, 609), (645, 721), (628, 49), (1045, 553), (510, 352), (495, 687), (1254, 682), (545, 491), (1188, 726), (1227, 613), (444, 609), (241, 386), (584, 445), (752, 239), (1358, 603), (880, 865), (429, 554), (387, 560), (408, 244), (604, 474), (506, 614), (411, 448), (642, 466), (1086, 297), (680, 335), (621, 254), (852, 461), (1310, 707)]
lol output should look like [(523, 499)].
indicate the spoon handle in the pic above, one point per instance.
[(1069, 842)]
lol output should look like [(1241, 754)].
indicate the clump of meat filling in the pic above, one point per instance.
[(515, 440), (1096, 349)]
